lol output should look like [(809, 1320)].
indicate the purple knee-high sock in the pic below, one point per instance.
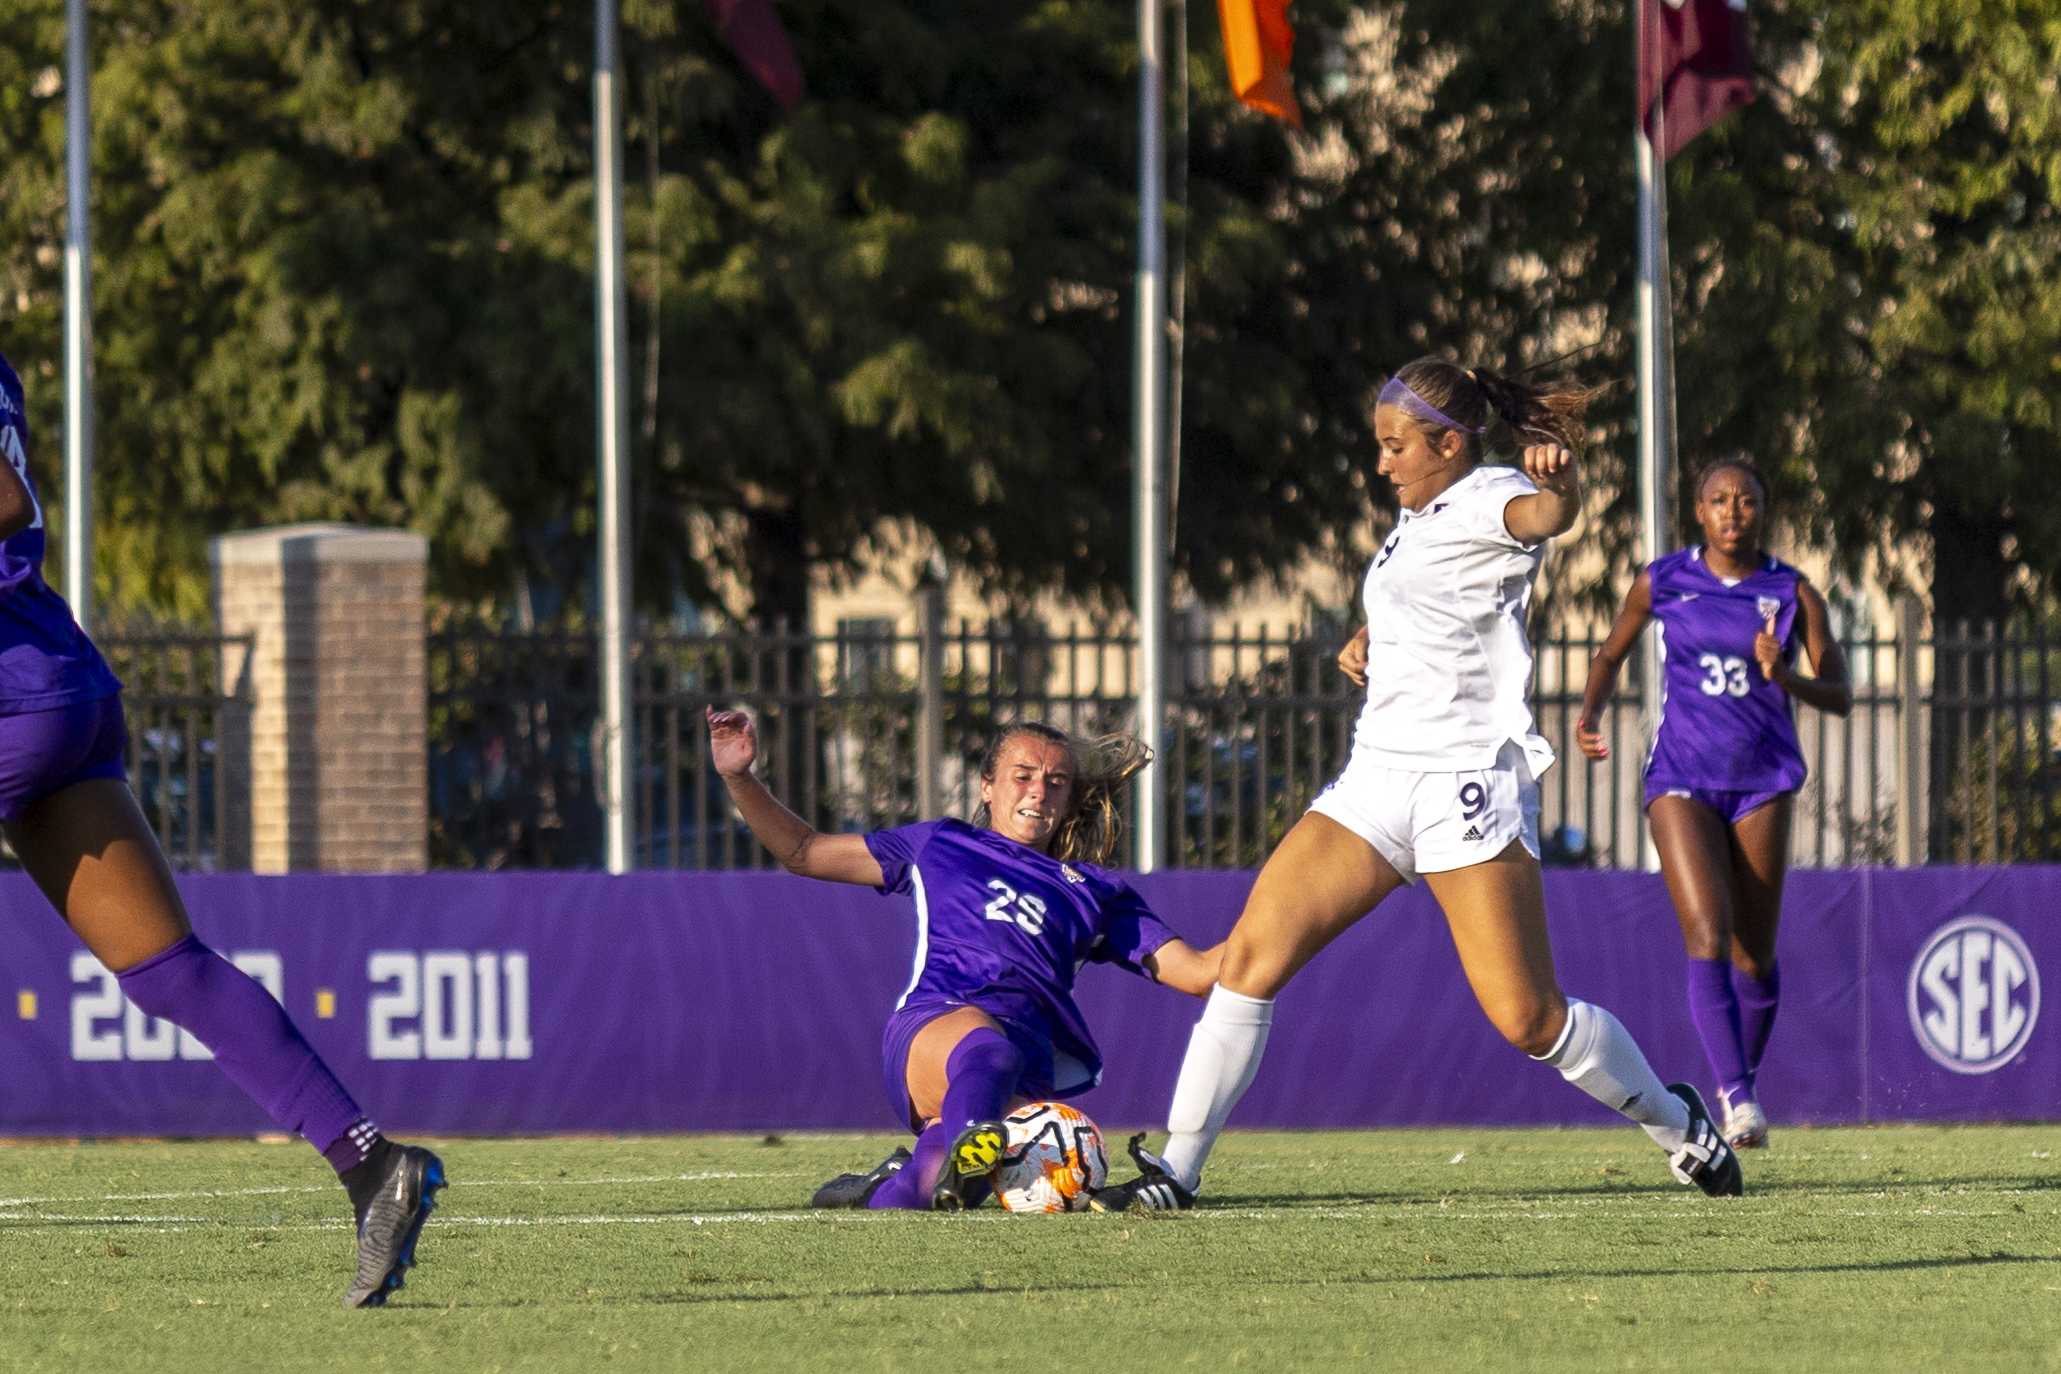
[(909, 1187), (254, 1043), (980, 1078), (1716, 1014), (1759, 998)]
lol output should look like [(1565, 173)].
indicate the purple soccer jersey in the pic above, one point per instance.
[(1723, 725), (46, 661), (1003, 927)]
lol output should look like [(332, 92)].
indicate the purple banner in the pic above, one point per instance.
[(486, 1003)]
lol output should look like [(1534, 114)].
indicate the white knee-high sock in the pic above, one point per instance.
[(1598, 1055), (1223, 1054)]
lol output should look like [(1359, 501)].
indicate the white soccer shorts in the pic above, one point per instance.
[(1436, 822)]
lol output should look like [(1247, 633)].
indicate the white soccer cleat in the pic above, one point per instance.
[(1746, 1125)]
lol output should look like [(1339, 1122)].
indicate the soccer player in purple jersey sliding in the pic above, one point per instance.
[(1441, 784), (1722, 774), (1007, 909), (67, 811)]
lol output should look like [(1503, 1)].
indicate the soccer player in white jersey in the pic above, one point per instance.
[(1441, 783)]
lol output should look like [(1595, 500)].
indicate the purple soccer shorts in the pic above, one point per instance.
[(44, 752), (1732, 807)]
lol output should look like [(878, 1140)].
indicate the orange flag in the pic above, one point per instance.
[(1257, 45)]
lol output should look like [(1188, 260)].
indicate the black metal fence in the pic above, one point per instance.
[(1992, 750), (182, 708), (1952, 753), (1948, 756)]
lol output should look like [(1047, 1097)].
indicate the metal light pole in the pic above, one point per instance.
[(1656, 390), (78, 324), (612, 435), (1148, 406)]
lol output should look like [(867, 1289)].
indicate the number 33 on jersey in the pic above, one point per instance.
[(1723, 726)]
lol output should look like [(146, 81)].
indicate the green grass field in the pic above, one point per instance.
[(1882, 1249)]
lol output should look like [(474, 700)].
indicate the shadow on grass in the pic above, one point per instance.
[(824, 1295), (1950, 1185)]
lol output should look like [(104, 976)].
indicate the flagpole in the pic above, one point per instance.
[(1148, 408), (1656, 386), (612, 443), (78, 319)]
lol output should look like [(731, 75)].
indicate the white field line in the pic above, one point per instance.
[(1445, 1203), (13, 1215), (10, 1203), (172, 1224)]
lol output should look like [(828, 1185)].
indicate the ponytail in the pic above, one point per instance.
[(1475, 401)]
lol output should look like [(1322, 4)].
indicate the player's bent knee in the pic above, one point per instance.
[(1533, 1026), (1251, 970)]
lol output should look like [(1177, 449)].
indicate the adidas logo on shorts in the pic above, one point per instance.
[(1473, 833)]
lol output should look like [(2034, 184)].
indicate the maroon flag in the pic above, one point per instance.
[(1694, 67), (754, 34)]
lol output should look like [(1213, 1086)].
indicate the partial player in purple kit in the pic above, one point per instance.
[(1008, 908), (1722, 775), (68, 813)]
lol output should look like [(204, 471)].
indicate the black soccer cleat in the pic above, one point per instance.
[(1153, 1190), (391, 1223), (856, 1190), (1705, 1159), (970, 1167)]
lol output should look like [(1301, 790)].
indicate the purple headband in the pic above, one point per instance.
[(1397, 392)]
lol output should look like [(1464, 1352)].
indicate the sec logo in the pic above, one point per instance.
[(1974, 995)]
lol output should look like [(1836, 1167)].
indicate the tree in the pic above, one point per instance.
[(1864, 260), (317, 293), (1895, 197), (911, 303), (344, 260)]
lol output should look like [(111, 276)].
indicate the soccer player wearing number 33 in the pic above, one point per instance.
[(1008, 908), (1441, 781), (66, 808), (1722, 775)]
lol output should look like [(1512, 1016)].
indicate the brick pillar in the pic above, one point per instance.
[(337, 739)]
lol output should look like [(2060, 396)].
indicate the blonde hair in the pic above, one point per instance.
[(1089, 831)]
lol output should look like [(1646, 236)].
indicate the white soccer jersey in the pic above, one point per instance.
[(1448, 664)]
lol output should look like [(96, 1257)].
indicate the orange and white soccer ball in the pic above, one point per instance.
[(1053, 1162)]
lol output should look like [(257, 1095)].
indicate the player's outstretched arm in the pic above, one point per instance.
[(801, 848), (1184, 968), (1603, 668)]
